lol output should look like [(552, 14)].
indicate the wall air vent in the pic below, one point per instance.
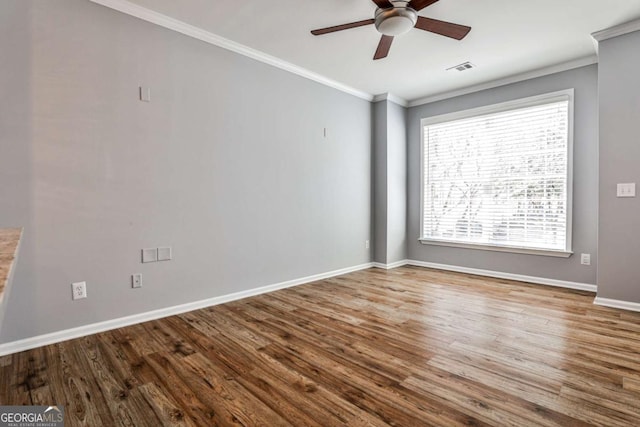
[(462, 67)]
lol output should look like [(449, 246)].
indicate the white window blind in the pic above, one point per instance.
[(500, 179)]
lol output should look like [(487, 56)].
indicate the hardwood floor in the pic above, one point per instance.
[(405, 347)]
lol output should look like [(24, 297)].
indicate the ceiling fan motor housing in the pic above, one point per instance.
[(396, 20)]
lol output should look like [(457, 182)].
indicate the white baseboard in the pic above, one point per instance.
[(390, 266), (81, 331), (509, 276), (615, 303)]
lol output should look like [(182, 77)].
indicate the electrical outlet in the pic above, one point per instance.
[(366, 244), (136, 280), (78, 290), (585, 259)]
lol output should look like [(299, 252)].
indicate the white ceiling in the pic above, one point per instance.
[(509, 37)]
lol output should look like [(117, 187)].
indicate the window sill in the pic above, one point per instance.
[(510, 249)]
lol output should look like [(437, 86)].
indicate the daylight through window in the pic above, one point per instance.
[(500, 177)]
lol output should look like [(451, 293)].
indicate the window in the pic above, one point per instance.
[(499, 177)]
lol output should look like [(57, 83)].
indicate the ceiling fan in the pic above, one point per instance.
[(396, 17)]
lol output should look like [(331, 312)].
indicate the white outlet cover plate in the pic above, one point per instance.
[(79, 290), (136, 280), (164, 254), (150, 255)]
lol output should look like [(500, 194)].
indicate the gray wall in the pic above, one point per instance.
[(585, 182), (396, 183), (380, 181), (227, 164), (390, 182), (15, 33), (619, 228)]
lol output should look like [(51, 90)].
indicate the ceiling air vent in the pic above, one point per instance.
[(462, 67)]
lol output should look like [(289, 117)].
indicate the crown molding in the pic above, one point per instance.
[(181, 27), (618, 30), (541, 72), (391, 97)]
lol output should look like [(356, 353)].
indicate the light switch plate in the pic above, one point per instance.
[(164, 254), (145, 94), (150, 255), (585, 259), (627, 189)]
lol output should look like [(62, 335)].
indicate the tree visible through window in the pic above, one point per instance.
[(500, 178)]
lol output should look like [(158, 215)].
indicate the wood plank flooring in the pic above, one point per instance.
[(405, 347)]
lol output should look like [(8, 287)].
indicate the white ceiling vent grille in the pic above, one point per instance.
[(462, 67)]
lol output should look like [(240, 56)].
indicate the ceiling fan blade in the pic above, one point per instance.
[(384, 4), (383, 47), (443, 28), (420, 4), (342, 27)]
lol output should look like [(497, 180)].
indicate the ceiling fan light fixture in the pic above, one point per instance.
[(395, 17), (395, 21)]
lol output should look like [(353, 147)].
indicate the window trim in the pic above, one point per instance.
[(532, 101)]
